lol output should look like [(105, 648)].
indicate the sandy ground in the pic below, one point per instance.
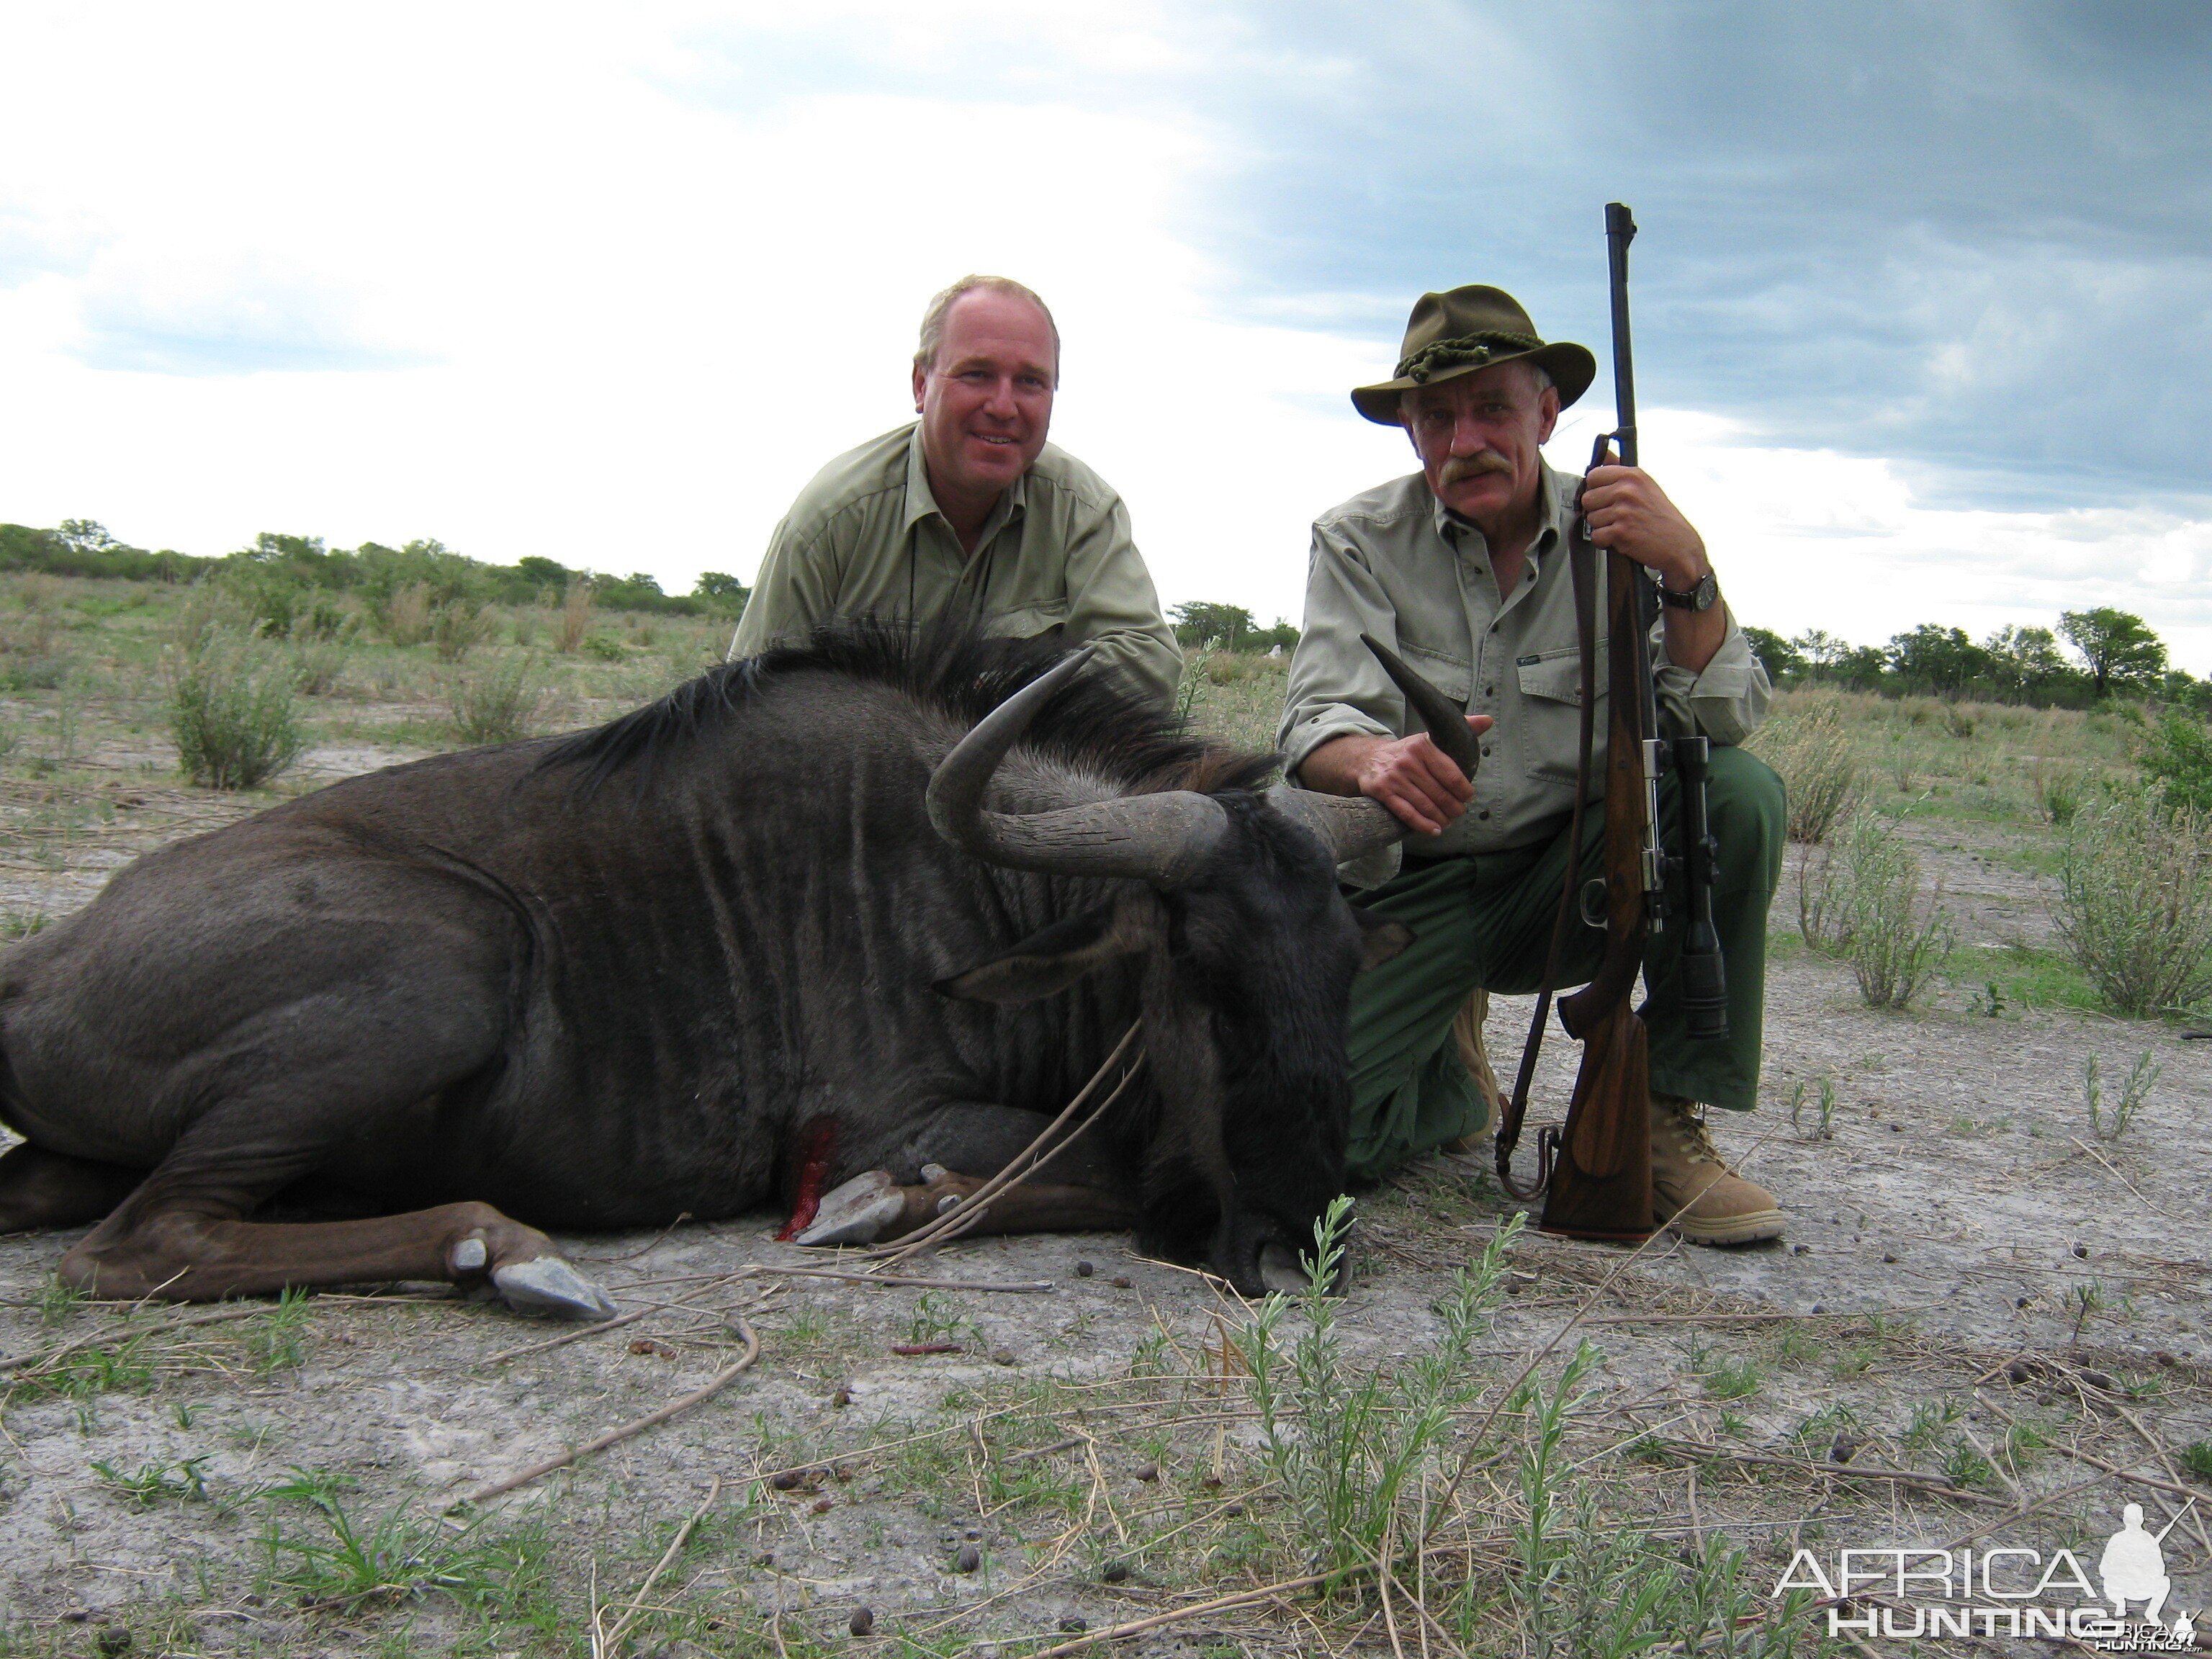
[(1956, 1214)]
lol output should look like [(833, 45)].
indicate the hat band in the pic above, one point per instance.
[(1463, 351)]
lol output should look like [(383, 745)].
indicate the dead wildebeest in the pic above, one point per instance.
[(710, 952)]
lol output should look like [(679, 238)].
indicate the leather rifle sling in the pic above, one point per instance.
[(1581, 563)]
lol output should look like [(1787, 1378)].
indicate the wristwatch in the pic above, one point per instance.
[(1698, 598)]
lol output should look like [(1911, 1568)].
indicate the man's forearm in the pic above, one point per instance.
[(1693, 637), (1333, 769)]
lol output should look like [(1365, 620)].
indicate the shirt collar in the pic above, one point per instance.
[(921, 504)]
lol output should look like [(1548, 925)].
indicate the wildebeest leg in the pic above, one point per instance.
[(39, 1189), (950, 1152), (292, 1089), (193, 1257)]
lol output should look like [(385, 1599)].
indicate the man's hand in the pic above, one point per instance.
[(1624, 509), (1627, 511), (1410, 776)]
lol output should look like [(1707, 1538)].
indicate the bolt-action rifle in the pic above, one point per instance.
[(1595, 1170)]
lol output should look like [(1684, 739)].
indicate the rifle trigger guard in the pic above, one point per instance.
[(1593, 903)]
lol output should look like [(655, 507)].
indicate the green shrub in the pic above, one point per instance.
[(606, 648), (2136, 902), (230, 707), (2179, 759), (407, 619), (316, 665), (1807, 743), (497, 705), (1859, 899), (457, 626)]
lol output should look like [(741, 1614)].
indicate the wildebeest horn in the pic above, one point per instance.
[(1353, 826), (1161, 839), (1350, 826)]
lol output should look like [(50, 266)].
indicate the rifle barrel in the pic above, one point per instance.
[(1619, 232)]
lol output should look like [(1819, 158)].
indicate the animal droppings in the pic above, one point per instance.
[(863, 1622), (1073, 1625), (1150, 1472), (784, 1479), (646, 1345), (2081, 1251), (1119, 1283), (843, 1397), (1116, 1573), (968, 1559), (1002, 1356), (1083, 1270), (1889, 1256), (823, 1505)]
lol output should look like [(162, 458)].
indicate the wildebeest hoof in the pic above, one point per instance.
[(551, 1286), (857, 1212), (471, 1254), (1280, 1269), (947, 1202), (933, 1173)]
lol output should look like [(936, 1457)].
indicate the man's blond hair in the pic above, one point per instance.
[(932, 321)]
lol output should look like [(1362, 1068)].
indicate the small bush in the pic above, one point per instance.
[(2058, 791), (2179, 759), (1808, 745), (457, 626), (2136, 902), (231, 710), (606, 648), (497, 705), (1859, 899), (407, 615), (317, 664), (575, 618)]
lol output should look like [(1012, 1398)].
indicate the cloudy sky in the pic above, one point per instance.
[(1923, 292)]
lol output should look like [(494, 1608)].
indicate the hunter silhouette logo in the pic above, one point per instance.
[(2001, 1589), (2133, 1565)]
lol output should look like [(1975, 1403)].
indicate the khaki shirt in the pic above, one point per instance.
[(1395, 563), (864, 537)]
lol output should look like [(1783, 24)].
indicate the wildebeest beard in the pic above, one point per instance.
[(723, 951)]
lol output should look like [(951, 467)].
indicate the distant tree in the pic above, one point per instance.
[(1821, 653), (1782, 660), (1860, 667), (85, 536), (2117, 649), (1935, 658), (541, 572), (2026, 662), (723, 592), (1199, 621)]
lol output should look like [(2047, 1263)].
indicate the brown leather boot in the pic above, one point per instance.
[(1694, 1190)]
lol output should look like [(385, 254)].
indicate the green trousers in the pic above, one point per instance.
[(1484, 922)]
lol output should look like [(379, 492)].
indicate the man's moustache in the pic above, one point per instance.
[(1474, 466)]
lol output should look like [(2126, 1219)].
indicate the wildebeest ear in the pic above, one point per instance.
[(1051, 959), (1380, 938)]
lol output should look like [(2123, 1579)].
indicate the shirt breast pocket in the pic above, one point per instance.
[(1027, 622), (1453, 676), (1551, 684)]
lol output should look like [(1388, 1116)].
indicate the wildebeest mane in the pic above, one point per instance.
[(1096, 722)]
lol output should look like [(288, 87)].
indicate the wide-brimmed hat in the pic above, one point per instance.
[(1465, 329)]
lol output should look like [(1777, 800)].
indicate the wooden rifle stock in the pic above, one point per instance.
[(1600, 1177)]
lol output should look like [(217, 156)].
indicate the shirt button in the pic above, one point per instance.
[(1484, 813), (1485, 754), (1489, 691)]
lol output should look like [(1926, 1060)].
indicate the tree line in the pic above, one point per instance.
[(2090, 657), (283, 576)]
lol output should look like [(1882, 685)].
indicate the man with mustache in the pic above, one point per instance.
[(1462, 569), (969, 511)]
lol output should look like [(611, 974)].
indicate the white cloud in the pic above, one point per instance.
[(539, 281)]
